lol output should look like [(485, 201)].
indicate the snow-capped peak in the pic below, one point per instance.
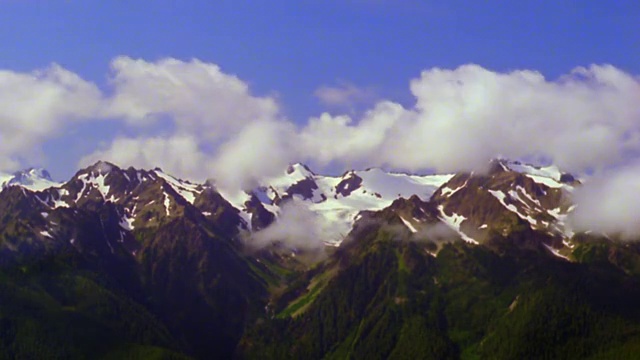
[(101, 167), (337, 200), (35, 179), (299, 169), (551, 172), (37, 173), (549, 175)]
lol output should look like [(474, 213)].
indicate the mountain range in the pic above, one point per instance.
[(132, 263)]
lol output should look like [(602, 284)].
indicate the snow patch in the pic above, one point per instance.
[(501, 198), (237, 199), (549, 172), (454, 221), (126, 223), (167, 203), (97, 182), (545, 181), (556, 252), (521, 190), (447, 191), (187, 190), (409, 225)]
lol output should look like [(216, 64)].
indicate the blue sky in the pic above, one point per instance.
[(287, 50)]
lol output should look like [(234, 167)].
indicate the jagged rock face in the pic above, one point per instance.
[(304, 188), (114, 201), (567, 178), (410, 214), (164, 241), (218, 211), (350, 182), (525, 207), (504, 202), (21, 225), (511, 197), (260, 217), (144, 198), (416, 209)]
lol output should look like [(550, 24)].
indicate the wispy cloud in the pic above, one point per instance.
[(297, 228), (344, 95)]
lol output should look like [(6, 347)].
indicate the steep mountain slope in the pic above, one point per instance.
[(505, 200), (382, 295), (163, 244), (528, 203), (485, 268), (118, 263), (68, 306)]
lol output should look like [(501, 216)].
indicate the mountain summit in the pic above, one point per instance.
[(32, 178)]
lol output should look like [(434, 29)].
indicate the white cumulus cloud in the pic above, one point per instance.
[(610, 203), (178, 154), (208, 123), (215, 121), (38, 105), (464, 117), (198, 96), (262, 149)]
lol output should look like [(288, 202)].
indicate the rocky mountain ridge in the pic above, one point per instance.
[(132, 262), (509, 196)]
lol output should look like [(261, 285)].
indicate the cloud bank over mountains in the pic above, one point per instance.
[(587, 119), (212, 125)]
